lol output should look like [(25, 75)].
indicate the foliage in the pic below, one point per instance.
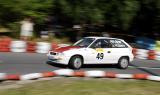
[(125, 15)]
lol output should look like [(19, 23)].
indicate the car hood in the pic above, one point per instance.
[(62, 49)]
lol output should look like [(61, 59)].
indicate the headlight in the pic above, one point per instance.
[(60, 54)]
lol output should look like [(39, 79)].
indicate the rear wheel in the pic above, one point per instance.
[(123, 63), (76, 62)]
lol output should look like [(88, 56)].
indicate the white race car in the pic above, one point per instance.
[(93, 50)]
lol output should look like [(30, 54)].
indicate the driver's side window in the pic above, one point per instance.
[(100, 43)]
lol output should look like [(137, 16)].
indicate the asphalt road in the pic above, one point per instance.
[(24, 63)]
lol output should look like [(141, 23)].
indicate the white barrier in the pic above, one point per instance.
[(154, 78), (64, 72), (31, 76), (69, 72), (95, 73), (141, 54), (158, 57), (141, 57), (124, 76), (18, 46), (43, 47), (141, 51), (158, 53), (2, 76)]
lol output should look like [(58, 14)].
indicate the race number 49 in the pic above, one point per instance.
[(100, 56)]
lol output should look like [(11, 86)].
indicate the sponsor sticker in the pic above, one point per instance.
[(99, 50)]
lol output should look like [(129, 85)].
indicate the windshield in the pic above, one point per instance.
[(85, 42)]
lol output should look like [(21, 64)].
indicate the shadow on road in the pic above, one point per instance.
[(57, 65), (99, 66), (85, 66)]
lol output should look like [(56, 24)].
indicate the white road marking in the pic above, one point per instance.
[(153, 68)]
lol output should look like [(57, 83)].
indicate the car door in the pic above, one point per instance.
[(108, 51), (101, 52), (117, 49)]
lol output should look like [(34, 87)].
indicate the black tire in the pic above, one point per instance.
[(49, 62), (123, 63), (75, 62)]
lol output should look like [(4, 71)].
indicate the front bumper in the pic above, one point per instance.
[(59, 59)]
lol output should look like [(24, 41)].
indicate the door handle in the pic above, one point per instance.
[(108, 51)]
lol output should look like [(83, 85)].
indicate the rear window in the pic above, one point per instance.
[(117, 43)]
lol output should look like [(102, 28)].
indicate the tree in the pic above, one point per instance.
[(122, 15), (37, 9)]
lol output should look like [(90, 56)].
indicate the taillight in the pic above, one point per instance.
[(134, 50)]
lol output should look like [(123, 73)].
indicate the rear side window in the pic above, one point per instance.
[(117, 43)]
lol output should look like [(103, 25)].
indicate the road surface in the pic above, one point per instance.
[(24, 63)]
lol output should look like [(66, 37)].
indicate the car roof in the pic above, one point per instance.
[(96, 37)]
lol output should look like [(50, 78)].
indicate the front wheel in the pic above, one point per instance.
[(123, 63), (76, 62)]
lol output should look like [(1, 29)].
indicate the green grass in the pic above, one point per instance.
[(70, 86)]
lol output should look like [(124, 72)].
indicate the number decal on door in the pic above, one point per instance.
[(100, 56)]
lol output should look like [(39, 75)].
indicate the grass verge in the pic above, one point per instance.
[(79, 86)]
